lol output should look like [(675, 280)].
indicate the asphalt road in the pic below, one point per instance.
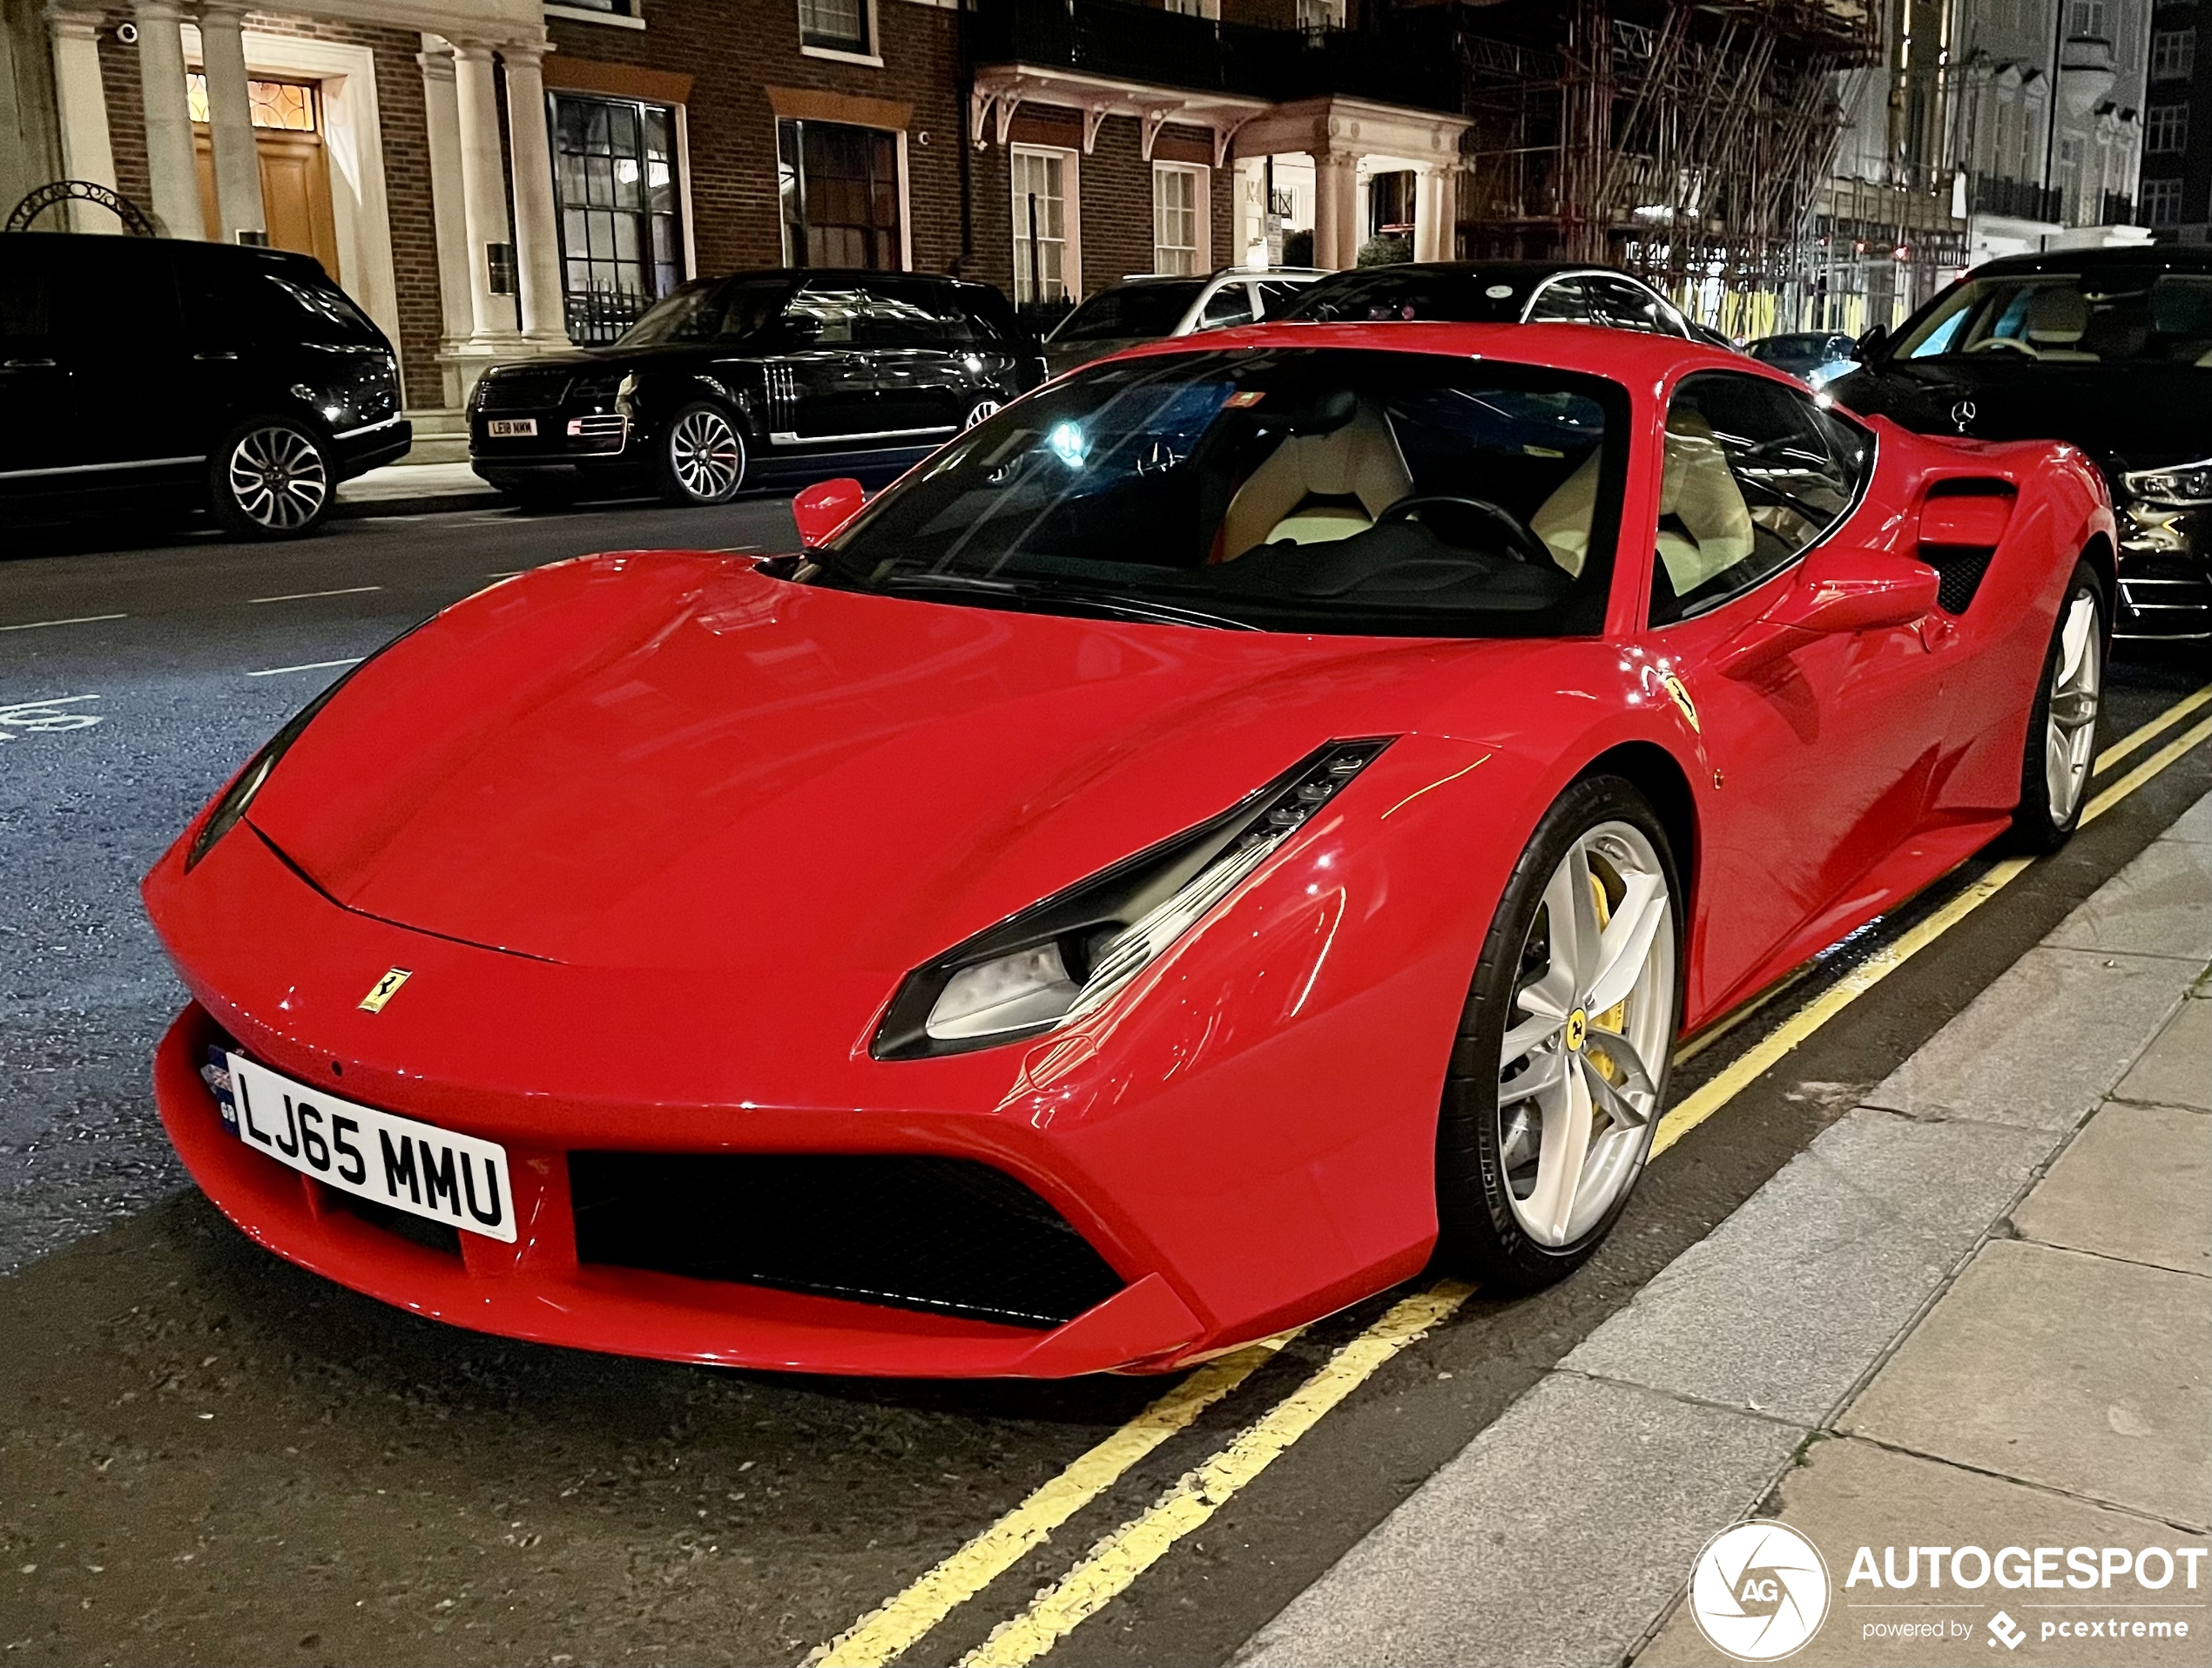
[(208, 1455)]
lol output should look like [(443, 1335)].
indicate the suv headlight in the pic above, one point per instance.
[(1060, 959), (2182, 486)]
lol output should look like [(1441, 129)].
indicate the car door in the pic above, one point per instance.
[(133, 384), (1824, 758), (37, 421), (916, 337), (826, 386)]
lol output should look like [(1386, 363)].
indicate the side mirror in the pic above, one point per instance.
[(1870, 343), (824, 508), (1838, 588)]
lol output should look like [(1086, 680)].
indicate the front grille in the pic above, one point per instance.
[(418, 1230), (522, 390), (599, 425), (946, 1235), (1958, 569)]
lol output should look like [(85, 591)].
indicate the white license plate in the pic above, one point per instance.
[(511, 427), (411, 1166)]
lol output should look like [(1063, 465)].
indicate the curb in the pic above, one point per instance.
[(422, 505)]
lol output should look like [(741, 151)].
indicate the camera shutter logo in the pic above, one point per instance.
[(1758, 1591)]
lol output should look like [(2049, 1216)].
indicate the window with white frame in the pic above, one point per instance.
[(2166, 129), (1046, 265), (1178, 219), (842, 205), (1194, 8), (2088, 19), (2173, 54), (836, 26), (2161, 202), (1313, 15)]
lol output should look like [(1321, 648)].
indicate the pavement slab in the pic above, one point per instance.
[(2080, 1373), (1554, 1537), (1852, 1493), (2176, 1070), (1784, 1306), (2161, 904), (2132, 1185), (2193, 824), (2042, 1046)]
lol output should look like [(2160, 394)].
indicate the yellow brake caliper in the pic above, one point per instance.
[(1616, 1017)]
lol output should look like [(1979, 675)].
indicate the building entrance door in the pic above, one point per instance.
[(295, 168)]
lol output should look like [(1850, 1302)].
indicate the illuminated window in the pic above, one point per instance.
[(622, 236), (289, 105), (1178, 199)]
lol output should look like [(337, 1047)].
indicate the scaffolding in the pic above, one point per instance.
[(1683, 142)]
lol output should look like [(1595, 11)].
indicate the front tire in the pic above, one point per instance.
[(2062, 725), (270, 478), (701, 459), (988, 406), (1560, 1065)]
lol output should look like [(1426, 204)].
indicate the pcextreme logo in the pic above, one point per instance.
[(1758, 1591)]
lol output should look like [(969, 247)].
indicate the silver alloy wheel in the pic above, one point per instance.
[(980, 410), (277, 478), (707, 454), (1592, 1019), (2077, 692)]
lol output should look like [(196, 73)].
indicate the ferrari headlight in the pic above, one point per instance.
[(2183, 486), (1068, 955)]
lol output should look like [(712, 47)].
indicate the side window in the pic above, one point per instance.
[(1560, 301), (26, 294), (1230, 304), (1625, 307), (1276, 294), (823, 316), (907, 314), (1755, 473), (112, 294)]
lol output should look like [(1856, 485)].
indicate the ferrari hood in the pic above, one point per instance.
[(675, 761), (2125, 414)]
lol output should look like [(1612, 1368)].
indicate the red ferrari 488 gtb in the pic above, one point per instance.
[(1246, 821)]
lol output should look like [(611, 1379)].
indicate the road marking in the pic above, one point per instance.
[(308, 596), (80, 619), (1114, 1563), (891, 1627), (1119, 1560), (41, 718), (311, 665), (2172, 715)]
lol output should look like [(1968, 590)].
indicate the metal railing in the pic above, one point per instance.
[(2021, 198)]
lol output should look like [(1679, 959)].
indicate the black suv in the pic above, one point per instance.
[(750, 378), (141, 374), (2109, 348)]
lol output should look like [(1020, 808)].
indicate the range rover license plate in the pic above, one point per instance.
[(419, 1168), (511, 427)]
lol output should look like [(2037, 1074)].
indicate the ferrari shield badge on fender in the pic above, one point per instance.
[(1680, 695), (384, 989)]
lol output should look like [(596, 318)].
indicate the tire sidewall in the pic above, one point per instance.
[(222, 503), (2033, 827), (671, 485), (1477, 1228)]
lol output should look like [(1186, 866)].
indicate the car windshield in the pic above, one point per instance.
[(1129, 310), (1311, 491), (1385, 292), (709, 311), (1780, 349), (2119, 314)]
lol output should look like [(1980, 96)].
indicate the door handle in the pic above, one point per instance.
[(29, 365), (209, 356)]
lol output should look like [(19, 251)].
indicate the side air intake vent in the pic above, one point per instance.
[(1961, 524), (948, 1235)]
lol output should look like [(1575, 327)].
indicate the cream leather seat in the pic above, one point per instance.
[(2057, 317), (1360, 466), (1712, 529), (1563, 520)]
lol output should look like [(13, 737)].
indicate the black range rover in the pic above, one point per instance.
[(159, 374), (763, 376), (2108, 348)]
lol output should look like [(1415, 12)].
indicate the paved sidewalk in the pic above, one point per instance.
[(409, 488), (1977, 1311)]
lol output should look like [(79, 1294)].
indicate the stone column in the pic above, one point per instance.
[(230, 122), (1434, 211), (483, 194), (442, 123), (80, 105), (169, 147), (537, 229), (1336, 229)]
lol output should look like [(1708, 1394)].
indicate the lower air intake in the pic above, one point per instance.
[(946, 1235)]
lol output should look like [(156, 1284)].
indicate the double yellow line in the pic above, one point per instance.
[(1114, 1563)]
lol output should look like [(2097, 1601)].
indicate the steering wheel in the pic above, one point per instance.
[(2010, 344), (1520, 544)]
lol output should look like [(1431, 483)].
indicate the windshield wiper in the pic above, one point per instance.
[(1075, 598)]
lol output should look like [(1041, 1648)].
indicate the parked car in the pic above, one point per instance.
[(2109, 348), (1241, 823), (743, 380), (1498, 292), (152, 374), (1151, 306), (1814, 357)]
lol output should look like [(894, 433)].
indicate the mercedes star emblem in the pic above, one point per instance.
[(1962, 414)]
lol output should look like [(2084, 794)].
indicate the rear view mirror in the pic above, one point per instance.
[(824, 508), (1838, 588)]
